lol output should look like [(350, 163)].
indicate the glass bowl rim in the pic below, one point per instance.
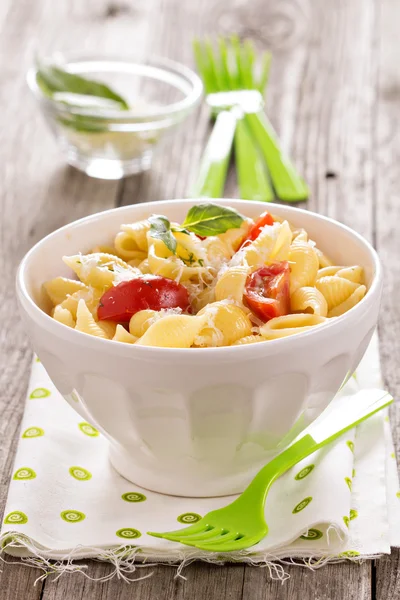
[(162, 63)]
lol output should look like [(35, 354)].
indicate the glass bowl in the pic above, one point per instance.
[(109, 143)]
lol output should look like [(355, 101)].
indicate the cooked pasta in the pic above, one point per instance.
[(309, 300), (122, 335), (289, 325), (224, 324), (61, 287), (303, 265), (335, 289), (86, 323), (217, 279), (63, 315)]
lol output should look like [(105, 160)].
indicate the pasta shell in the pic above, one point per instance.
[(289, 325), (231, 284), (303, 265), (217, 250), (351, 301), (272, 244), (354, 273), (249, 339), (138, 232), (127, 247), (109, 328), (309, 300), (225, 324), (325, 271), (335, 289), (62, 315), (100, 270), (90, 295), (322, 259), (122, 335), (59, 288), (173, 331), (86, 323), (104, 250), (141, 321)]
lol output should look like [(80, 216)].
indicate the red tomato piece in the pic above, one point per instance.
[(267, 291), (150, 291), (255, 230)]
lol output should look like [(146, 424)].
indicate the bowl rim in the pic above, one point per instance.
[(191, 99), (153, 352)]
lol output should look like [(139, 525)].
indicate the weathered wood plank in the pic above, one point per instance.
[(38, 192), (345, 581), (202, 581), (387, 143)]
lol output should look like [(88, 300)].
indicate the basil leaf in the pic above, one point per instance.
[(52, 80), (160, 229), (211, 219), (180, 230), (83, 123)]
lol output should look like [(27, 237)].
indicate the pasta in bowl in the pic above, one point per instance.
[(200, 339), (217, 279)]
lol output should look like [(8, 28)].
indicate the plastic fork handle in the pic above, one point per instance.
[(250, 166), (253, 497), (214, 164), (288, 184)]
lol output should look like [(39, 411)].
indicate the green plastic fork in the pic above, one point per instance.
[(230, 68), (241, 524)]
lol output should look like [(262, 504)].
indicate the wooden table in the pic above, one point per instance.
[(334, 97)]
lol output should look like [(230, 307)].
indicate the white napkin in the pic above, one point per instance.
[(65, 500)]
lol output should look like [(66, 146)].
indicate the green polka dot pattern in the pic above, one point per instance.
[(302, 505), (80, 473), (88, 429), (304, 472), (24, 473), (312, 534), (348, 482), (128, 533), (72, 516), (33, 432), (39, 393), (133, 497), (188, 518), (16, 517)]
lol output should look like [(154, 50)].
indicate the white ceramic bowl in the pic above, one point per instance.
[(197, 422)]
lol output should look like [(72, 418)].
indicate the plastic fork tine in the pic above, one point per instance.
[(229, 545), (214, 67), (210, 534), (217, 539), (192, 529), (235, 42), (248, 56), (224, 64), (261, 85), (204, 67)]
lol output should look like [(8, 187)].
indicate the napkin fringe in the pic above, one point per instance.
[(126, 560)]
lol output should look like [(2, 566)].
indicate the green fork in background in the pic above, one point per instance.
[(241, 524), (232, 68)]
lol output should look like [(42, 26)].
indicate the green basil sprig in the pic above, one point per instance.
[(54, 80), (203, 219), (211, 219)]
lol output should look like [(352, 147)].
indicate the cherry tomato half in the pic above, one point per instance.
[(267, 291), (150, 291), (255, 229)]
